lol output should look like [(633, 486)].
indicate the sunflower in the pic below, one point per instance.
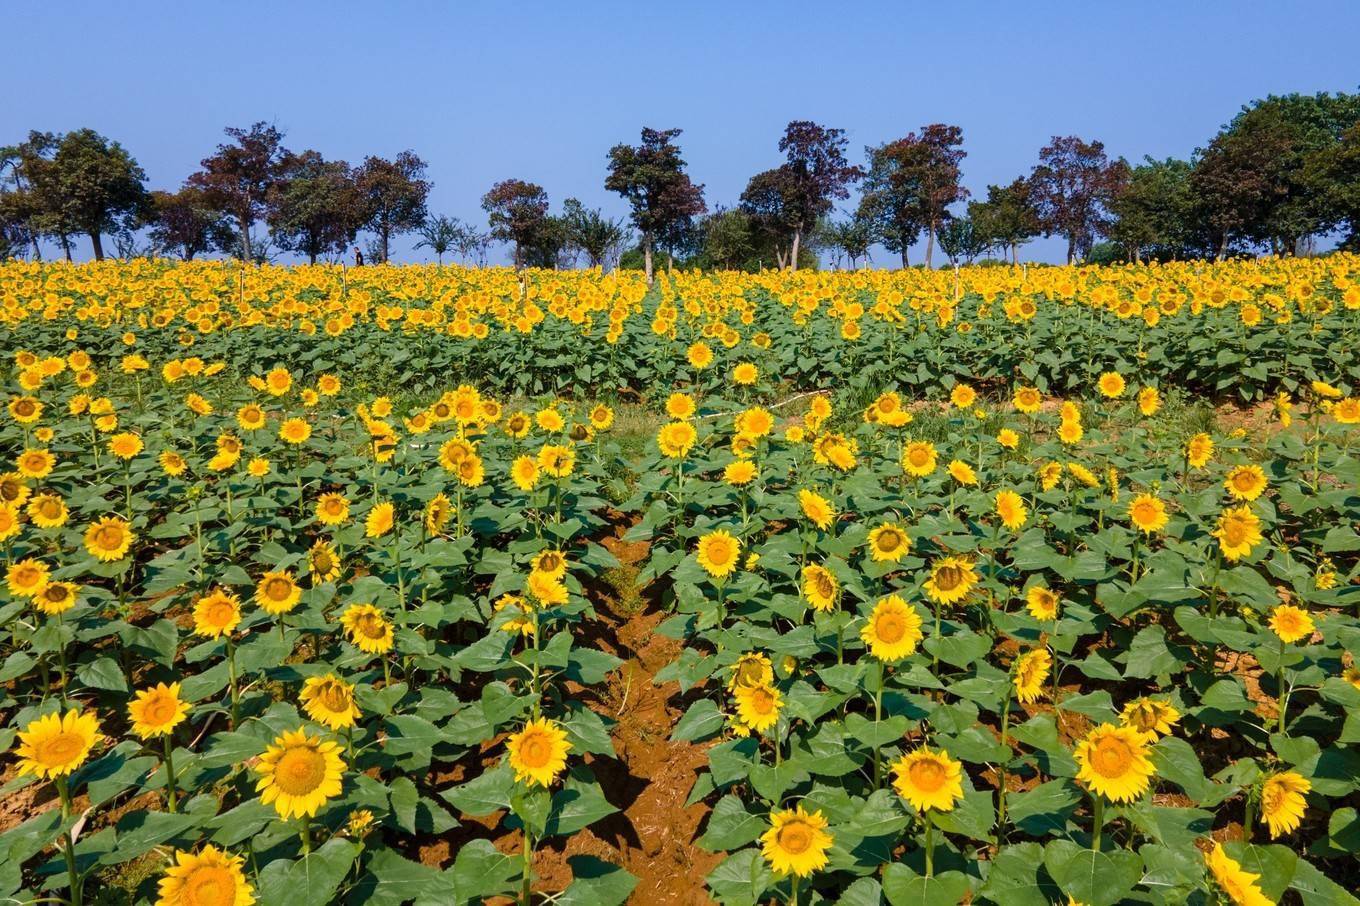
[(56, 744), (332, 509), (27, 577), (888, 542), (172, 463), (277, 592), (556, 460), (601, 417), (1114, 762), (368, 629), (963, 473), (521, 620), (36, 464), (379, 520), (1282, 801), (438, 512), (1238, 531), (1070, 432), (524, 473), (1008, 438), (125, 445), (538, 753), (295, 431), (1347, 411), (680, 405), (56, 597), (929, 780), (816, 508), (1028, 675), (1042, 603), (754, 422), (1050, 473), (1151, 716), (1083, 474), (322, 562), (329, 701), (892, 630), (157, 711), (217, 613), (211, 878), (740, 472), (1027, 400), (758, 706), (1148, 513), (745, 374), (299, 773), (796, 843), (962, 396), (1199, 451), (751, 669), (1245, 482), (919, 458), (109, 538), (951, 579), (718, 553), (1111, 384), (1149, 401), (25, 410), (1239, 885), (676, 439), (820, 587), (1291, 623), (1010, 506), (1326, 390)]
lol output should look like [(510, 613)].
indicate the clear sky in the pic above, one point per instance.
[(540, 91)]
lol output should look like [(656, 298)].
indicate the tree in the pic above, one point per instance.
[(596, 236), (516, 211), (769, 203), (439, 235), (853, 237), (728, 240), (472, 243), (1007, 218), (1154, 214), (911, 183), (959, 239), (393, 194), (238, 179), (652, 177), (83, 183), (315, 207), (1335, 175), (815, 172), (185, 222), (1072, 188)]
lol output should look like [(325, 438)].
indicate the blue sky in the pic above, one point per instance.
[(540, 91)]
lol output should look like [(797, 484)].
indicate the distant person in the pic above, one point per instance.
[(358, 257)]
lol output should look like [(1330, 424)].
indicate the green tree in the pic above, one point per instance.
[(959, 240), (596, 236), (439, 235), (1072, 188), (392, 196), (240, 177), (315, 208), (1007, 218), (651, 177), (815, 172), (517, 212), (185, 222), (1154, 214)]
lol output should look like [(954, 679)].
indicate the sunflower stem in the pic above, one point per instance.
[(306, 835), (930, 843), (68, 845), (169, 774), (878, 715), (1098, 823), (793, 891), (528, 868), (231, 678)]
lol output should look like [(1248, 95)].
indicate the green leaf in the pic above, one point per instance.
[(102, 673), (1014, 879), (482, 795), (741, 879), (596, 883), (1094, 878), (904, 887), (702, 720), (731, 826), (312, 879), (578, 804)]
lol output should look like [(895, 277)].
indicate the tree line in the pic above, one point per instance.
[(1282, 174)]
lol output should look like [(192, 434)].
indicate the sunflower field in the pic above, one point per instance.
[(442, 586)]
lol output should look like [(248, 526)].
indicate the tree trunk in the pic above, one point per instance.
[(793, 257), (246, 251), (647, 256), (930, 244), (98, 244), (311, 256), (66, 245), (1015, 253), (779, 257), (384, 234), (1072, 250), (905, 263), (1222, 248)]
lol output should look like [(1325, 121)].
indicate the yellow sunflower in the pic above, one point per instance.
[(329, 701), (1151, 716), (740, 472), (56, 597), (332, 509), (538, 753), (217, 613), (751, 669), (929, 780), (1238, 531), (1114, 762), (1042, 603), (888, 542), (299, 773), (56, 744), (951, 579), (1239, 885), (1027, 400), (919, 458), (963, 473), (558, 461), (796, 843), (379, 520), (1199, 451), (718, 553), (368, 629), (758, 706), (323, 565), (1111, 384), (676, 439), (295, 431), (277, 593), (816, 508), (820, 587), (211, 878), (1148, 513), (892, 630), (36, 464), (27, 577), (109, 538), (1010, 506), (1245, 482), (1291, 623), (1029, 673), (1282, 801), (157, 711)]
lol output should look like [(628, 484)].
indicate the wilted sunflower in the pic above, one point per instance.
[(157, 711), (1152, 716), (1291, 623), (211, 878), (929, 780), (1029, 673), (1239, 885), (796, 843), (1245, 482), (109, 538), (329, 701), (368, 628), (538, 753), (718, 553), (892, 629), (820, 587), (299, 773), (951, 579), (1114, 762), (1282, 801), (1238, 531), (758, 706), (277, 592), (1148, 513), (56, 744)]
